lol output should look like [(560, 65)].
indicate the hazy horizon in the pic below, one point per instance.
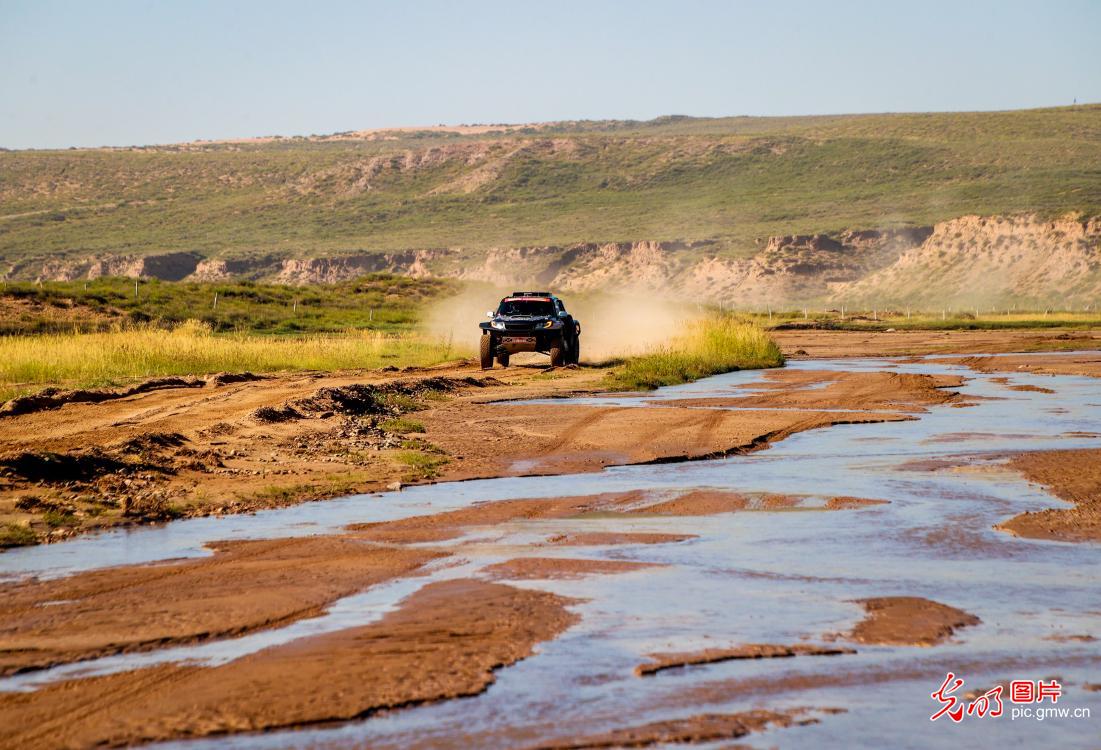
[(134, 73), (428, 126)]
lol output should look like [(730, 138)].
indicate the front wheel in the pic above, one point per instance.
[(557, 354), (485, 352), (502, 358)]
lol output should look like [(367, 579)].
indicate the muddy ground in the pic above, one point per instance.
[(491, 567), (71, 462)]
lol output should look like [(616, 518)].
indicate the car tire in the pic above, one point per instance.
[(557, 354), (575, 351), (503, 359), (485, 351)]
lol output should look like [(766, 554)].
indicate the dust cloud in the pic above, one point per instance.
[(621, 324), (613, 324)]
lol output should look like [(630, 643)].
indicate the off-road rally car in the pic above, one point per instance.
[(530, 322)]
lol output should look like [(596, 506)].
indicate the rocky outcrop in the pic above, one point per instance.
[(982, 262), (166, 266), (798, 269), (967, 262), (236, 268), (342, 268)]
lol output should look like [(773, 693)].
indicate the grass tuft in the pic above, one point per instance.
[(707, 347), (401, 426), (56, 519), (14, 535), (421, 464)]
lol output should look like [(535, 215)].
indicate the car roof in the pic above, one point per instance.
[(530, 296)]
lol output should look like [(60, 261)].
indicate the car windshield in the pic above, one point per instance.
[(526, 307)]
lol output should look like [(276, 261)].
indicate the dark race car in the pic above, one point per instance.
[(530, 322)]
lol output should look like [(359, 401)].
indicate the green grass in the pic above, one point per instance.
[(377, 302), (401, 426), (728, 180), (277, 495), (710, 346), (882, 320), (55, 519), (28, 363), (421, 464), (15, 535)]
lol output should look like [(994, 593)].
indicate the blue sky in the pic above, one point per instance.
[(123, 72)]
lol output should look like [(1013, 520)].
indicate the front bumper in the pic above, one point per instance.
[(525, 339)]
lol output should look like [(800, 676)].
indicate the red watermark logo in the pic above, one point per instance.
[(1022, 693)]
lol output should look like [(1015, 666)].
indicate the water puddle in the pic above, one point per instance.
[(746, 577)]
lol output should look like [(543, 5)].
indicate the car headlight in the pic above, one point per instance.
[(497, 324)]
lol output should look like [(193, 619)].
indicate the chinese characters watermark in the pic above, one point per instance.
[(1026, 696)]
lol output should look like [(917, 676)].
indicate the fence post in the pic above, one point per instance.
[(215, 307)]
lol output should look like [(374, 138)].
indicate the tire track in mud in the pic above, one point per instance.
[(581, 425)]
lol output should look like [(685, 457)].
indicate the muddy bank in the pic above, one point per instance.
[(55, 398), (533, 439), (708, 502), (1084, 363), (448, 525), (606, 538), (243, 587), (1074, 476), (698, 729), (832, 344), (544, 568), (823, 389), (909, 621), (238, 444), (444, 642), (663, 661)]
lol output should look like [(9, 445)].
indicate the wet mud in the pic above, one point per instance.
[(244, 587), (909, 621), (662, 662), (539, 599), (546, 568), (446, 641), (698, 729), (1074, 476), (810, 389), (1086, 364)]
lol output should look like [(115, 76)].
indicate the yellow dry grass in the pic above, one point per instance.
[(28, 363)]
